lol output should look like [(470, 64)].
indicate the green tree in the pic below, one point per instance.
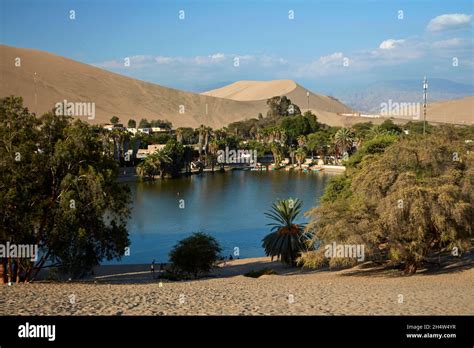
[(287, 239), (175, 152), (132, 123), (300, 156), (391, 127), (153, 165), (114, 120), (58, 190), (312, 121), (144, 123), (195, 255), (295, 126), (406, 203), (318, 143), (282, 106)]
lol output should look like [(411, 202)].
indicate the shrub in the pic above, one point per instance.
[(195, 255)]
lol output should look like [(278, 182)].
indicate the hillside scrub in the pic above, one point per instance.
[(404, 201)]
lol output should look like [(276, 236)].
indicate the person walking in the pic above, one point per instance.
[(152, 269)]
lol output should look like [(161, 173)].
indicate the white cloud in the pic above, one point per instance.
[(449, 21), (217, 56), (163, 60), (337, 56), (390, 44), (450, 43), (324, 65)]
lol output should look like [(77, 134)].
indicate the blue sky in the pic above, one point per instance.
[(198, 52)]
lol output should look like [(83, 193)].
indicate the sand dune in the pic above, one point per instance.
[(289, 292), (263, 90), (253, 90), (44, 79), (58, 78), (460, 111)]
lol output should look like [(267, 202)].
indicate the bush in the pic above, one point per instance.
[(195, 255)]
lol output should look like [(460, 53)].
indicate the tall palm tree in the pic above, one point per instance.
[(343, 139), (213, 148), (300, 156), (204, 136), (277, 153), (287, 239), (179, 135)]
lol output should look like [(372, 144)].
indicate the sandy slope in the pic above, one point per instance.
[(253, 90), (129, 290), (452, 111), (59, 78), (263, 90)]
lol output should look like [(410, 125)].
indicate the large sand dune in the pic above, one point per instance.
[(44, 79), (253, 90), (263, 90)]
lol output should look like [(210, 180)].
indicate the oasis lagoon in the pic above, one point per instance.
[(229, 206)]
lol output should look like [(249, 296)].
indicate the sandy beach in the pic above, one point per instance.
[(130, 290)]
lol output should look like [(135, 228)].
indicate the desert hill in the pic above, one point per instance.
[(44, 79), (460, 111), (263, 90), (53, 79)]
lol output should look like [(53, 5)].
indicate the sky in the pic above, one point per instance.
[(326, 46)]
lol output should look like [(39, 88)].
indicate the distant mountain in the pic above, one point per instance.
[(369, 98)]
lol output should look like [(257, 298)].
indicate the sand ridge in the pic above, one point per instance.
[(253, 90)]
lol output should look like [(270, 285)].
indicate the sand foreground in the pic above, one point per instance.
[(130, 290)]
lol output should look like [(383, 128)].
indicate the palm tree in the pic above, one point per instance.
[(213, 148), (287, 239), (301, 140), (204, 135), (201, 131), (343, 139), (179, 135), (376, 131), (300, 156), (277, 154)]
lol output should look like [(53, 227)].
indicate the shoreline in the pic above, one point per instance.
[(357, 291), (132, 176)]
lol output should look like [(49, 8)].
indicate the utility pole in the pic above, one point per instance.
[(425, 93), (36, 94)]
